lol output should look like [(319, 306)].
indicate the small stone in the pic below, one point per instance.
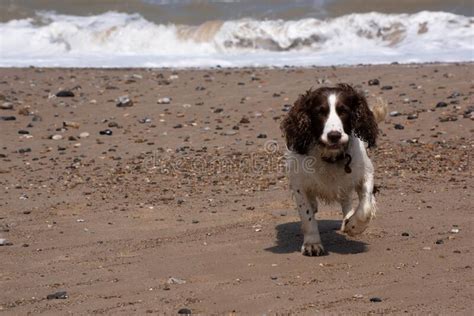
[(405, 234), (57, 137), (65, 94), (84, 135), (358, 296), (398, 126), (113, 124), (184, 311), (178, 126), (24, 150), (412, 116), (440, 242), (8, 118), (194, 221), (23, 132), (454, 230), (173, 280), (387, 88), (6, 106), (441, 104), (230, 133), (164, 100), (374, 82), (262, 136), (61, 295), (4, 242), (124, 101), (394, 113), (426, 248), (71, 124), (375, 299), (107, 132), (244, 120)]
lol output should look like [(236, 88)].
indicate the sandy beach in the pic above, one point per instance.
[(177, 200)]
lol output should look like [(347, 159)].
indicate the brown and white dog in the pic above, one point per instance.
[(327, 132)]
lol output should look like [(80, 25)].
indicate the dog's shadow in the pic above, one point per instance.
[(290, 238)]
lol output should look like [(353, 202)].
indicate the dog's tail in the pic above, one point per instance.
[(380, 108)]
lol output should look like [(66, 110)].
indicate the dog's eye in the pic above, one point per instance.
[(322, 109), (342, 110)]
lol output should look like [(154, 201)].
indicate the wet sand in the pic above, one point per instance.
[(186, 205)]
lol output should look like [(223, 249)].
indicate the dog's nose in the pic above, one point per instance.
[(334, 136)]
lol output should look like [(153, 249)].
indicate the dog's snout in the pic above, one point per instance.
[(334, 136)]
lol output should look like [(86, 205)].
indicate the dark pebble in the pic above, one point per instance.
[(441, 105), (405, 234), (184, 311), (24, 150), (440, 242), (244, 120), (178, 126), (112, 124), (262, 136), (375, 299), (387, 88), (107, 132), (412, 116), (218, 110), (23, 132), (65, 94), (62, 295), (398, 126), (8, 118), (194, 221), (374, 82)]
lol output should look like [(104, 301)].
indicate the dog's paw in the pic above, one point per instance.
[(354, 226), (312, 249)]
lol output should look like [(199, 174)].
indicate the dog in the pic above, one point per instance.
[(327, 132)]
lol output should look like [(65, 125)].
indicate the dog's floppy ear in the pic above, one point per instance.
[(363, 120), (296, 126)]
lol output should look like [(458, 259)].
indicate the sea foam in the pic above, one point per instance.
[(128, 40)]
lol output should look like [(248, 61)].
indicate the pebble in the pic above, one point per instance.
[(173, 280), (164, 100), (23, 132), (374, 82), (65, 94), (84, 135), (230, 133), (441, 104), (107, 132), (71, 124), (262, 136), (6, 106), (375, 299), (57, 137), (8, 118), (124, 101), (387, 88), (394, 113), (144, 120), (61, 295), (184, 311), (244, 120), (412, 116), (454, 230), (4, 242), (405, 234), (24, 150), (440, 242), (398, 126)]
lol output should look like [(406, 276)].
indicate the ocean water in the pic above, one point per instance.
[(208, 33)]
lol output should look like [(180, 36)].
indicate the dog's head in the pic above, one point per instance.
[(327, 117)]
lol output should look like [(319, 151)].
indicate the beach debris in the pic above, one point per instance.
[(173, 280), (244, 120), (261, 135), (374, 82), (23, 132), (454, 230), (84, 135), (165, 100), (57, 137), (107, 132), (144, 120), (394, 113), (398, 126), (124, 101), (65, 94), (375, 299), (6, 106), (387, 88), (413, 116), (441, 104), (358, 296), (24, 150), (405, 234), (439, 242), (71, 124), (61, 295)]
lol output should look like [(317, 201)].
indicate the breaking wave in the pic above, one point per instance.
[(128, 40)]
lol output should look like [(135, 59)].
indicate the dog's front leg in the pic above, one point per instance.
[(356, 222), (307, 207)]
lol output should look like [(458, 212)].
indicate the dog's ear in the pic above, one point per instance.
[(296, 126), (363, 120)]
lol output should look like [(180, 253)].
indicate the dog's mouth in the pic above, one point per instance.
[(333, 146)]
